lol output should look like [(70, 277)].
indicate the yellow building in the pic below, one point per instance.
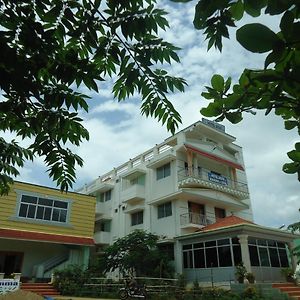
[(42, 229)]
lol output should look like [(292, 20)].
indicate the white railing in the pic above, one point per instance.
[(9, 285), (194, 218), (212, 177)]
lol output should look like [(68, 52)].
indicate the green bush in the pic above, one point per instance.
[(251, 293)]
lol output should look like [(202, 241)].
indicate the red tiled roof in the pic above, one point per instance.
[(226, 222), (45, 237)]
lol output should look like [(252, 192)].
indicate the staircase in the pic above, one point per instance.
[(43, 289), (290, 289)]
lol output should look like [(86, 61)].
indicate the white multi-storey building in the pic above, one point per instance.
[(191, 190)]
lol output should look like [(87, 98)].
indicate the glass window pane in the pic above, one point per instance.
[(223, 242), (55, 214), (160, 211), (168, 209), (271, 243), (23, 210), (224, 256), (237, 254), (198, 245), (262, 242), (280, 245), (199, 259), (61, 204), (31, 211), (235, 241), (274, 257), (29, 199), (254, 260), (210, 244), (167, 170), (47, 215), (185, 247), (264, 257), (40, 213), (185, 260), (283, 258), (211, 258), (251, 241), (63, 215), (46, 202), (159, 173)]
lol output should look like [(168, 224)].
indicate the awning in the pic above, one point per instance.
[(45, 237), (215, 157)]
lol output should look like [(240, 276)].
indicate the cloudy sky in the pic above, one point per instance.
[(118, 131)]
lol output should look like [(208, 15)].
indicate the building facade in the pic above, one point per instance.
[(179, 189), (42, 229)]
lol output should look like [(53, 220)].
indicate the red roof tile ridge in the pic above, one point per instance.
[(226, 222)]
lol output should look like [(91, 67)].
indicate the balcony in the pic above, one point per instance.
[(194, 220), (133, 193), (208, 179), (102, 237)]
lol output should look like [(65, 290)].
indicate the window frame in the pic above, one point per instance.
[(163, 171), (43, 221), (163, 211), (137, 221)]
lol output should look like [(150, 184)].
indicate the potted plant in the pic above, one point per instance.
[(288, 273), (250, 277), (241, 272)]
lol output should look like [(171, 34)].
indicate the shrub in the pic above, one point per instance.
[(250, 293)]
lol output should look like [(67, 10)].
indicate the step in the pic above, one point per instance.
[(289, 289), (43, 289), (283, 284)]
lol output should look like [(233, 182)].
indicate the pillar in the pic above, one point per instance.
[(190, 162), (178, 257), (291, 246), (86, 257), (243, 240)]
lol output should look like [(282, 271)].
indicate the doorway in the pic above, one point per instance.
[(196, 213), (11, 262)]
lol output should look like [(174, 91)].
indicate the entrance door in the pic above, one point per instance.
[(11, 262)]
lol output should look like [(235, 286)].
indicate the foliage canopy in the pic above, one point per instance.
[(137, 253), (274, 87), (49, 49)]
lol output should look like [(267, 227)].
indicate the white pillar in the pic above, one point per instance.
[(178, 257), (243, 240), (291, 246)]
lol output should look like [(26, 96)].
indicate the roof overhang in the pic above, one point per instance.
[(45, 237), (214, 157), (252, 230)]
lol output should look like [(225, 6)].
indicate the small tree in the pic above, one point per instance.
[(135, 253)]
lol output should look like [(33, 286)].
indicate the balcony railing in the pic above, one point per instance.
[(206, 177), (194, 219)]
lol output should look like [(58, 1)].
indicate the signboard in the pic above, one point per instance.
[(213, 124), (217, 178)]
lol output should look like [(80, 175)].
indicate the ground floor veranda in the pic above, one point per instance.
[(37, 259), (212, 255)]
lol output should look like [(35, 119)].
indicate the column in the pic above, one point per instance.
[(178, 257), (243, 240), (86, 257), (190, 162), (291, 246)]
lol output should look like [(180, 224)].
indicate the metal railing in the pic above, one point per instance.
[(194, 218), (211, 177)]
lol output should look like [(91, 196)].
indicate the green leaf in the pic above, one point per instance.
[(256, 37), (294, 155), (217, 82), (291, 168), (286, 24), (237, 10), (234, 117), (290, 124)]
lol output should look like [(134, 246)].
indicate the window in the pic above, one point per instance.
[(267, 253), (220, 213), (210, 254), (105, 226), (106, 196), (163, 171), (164, 210), (137, 218), (38, 208)]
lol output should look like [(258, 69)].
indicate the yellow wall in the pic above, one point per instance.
[(82, 214)]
